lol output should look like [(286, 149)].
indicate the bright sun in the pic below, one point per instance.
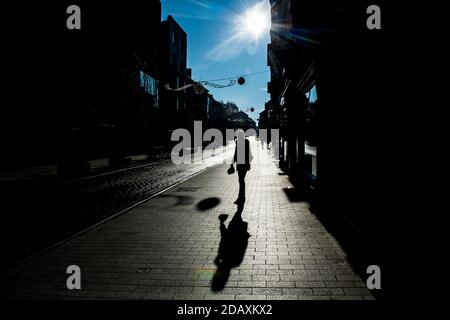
[(256, 21)]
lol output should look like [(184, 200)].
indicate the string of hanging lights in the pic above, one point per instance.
[(199, 86)]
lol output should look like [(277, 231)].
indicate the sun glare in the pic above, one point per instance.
[(255, 21), (246, 32)]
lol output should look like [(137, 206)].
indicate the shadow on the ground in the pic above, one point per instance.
[(180, 200), (294, 195), (360, 249), (207, 204), (355, 239), (232, 247)]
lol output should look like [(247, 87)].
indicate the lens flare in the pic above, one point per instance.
[(255, 21), (248, 31)]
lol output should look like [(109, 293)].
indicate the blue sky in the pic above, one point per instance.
[(221, 44)]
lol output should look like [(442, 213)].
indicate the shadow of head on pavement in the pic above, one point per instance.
[(180, 200), (232, 247), (208, 203)]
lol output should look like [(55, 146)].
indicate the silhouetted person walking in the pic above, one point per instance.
[(242, 157)]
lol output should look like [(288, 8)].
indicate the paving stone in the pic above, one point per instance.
[(165, 248), (250, 297)]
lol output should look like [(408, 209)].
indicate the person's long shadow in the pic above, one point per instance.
[(232, 247)]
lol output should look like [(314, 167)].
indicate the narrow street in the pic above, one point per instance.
[(166, 247), (66, 208), (205, 150)]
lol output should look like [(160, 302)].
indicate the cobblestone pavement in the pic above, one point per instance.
[(55, 211), (166, 248)]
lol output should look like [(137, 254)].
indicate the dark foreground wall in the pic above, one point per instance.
[(65, 89)]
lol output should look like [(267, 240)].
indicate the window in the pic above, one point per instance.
[(149, 84), (172, 35), (314, 166), (312, 95), (285, 151)]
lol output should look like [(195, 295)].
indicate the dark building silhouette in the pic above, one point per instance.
[(180, 106), (173, 56), (119, 84), (197, 102), (108, 90), (77, 94), (327, 81), (217, 115), (227, 115)]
